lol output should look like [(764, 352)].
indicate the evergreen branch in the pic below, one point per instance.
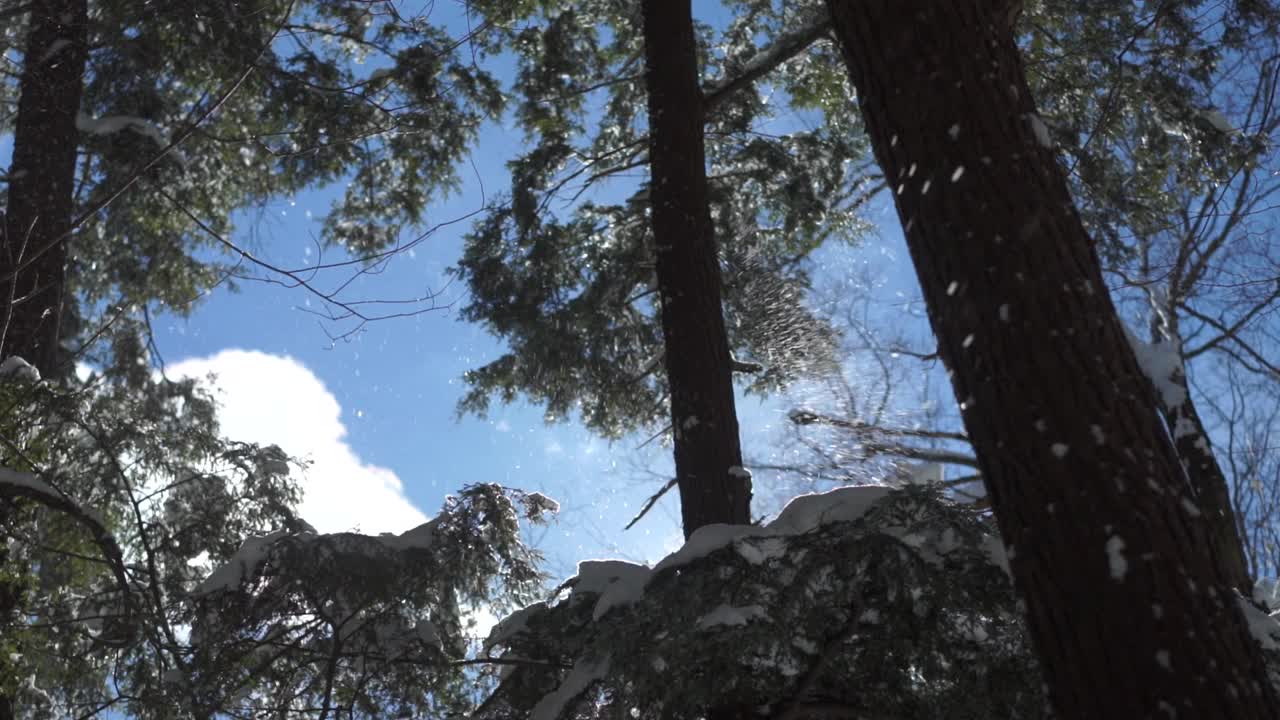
[(152, 567), (787, 46), (1109, 102), (16, 11), (796, 708), (945, 457), (15, 484), (868, 433), (151, 162)]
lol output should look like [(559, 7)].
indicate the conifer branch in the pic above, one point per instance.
[(787, 46), (15, 484), (151, 162)]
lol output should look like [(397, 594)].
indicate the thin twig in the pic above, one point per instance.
[(648, 505)]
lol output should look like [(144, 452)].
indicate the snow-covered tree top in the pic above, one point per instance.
[(784, 612)]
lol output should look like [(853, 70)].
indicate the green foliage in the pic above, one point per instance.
[(569, 284), (368, 624), (142, 456), (869, 614), (1127, 92), (314, 94), (898, 613), (363, 625), (143, 459)]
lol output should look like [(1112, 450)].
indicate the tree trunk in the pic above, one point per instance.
[(704, 421), (42, 184), (1209, 483), (41, 188), (1128, 610)]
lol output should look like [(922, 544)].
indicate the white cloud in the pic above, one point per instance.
[(276, 399)]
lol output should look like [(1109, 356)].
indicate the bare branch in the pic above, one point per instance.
[(648, 504), (809, 417), (1263, 363)]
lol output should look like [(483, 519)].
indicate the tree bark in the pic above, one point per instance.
[(1130, 614), (1209, 483), (40, 202), (42, 184), (704, 421)]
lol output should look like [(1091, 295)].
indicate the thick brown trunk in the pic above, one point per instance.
[(42, 184), (704, 420), (1129, 612)]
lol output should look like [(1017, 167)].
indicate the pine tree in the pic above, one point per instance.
[(1083, 478), (133, 146), (37, 216), (562, 267)]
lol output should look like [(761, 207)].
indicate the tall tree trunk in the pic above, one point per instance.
[(704, 421), (40, 203), (1130, 614), (42, 184)]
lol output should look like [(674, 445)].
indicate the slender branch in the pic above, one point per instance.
[(787, 46), (518, 662), (15, 484), (809, 417), (1229, 334), (648, 504), (945, 457)]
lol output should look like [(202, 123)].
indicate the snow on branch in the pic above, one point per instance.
[(112, 124), (771, 610), (368, 607), (786, 46), (1162, 364), (16, 484), (14, 366), (584, 673), (255, 552)]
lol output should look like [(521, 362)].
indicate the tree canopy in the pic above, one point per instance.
[(152, 567)]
